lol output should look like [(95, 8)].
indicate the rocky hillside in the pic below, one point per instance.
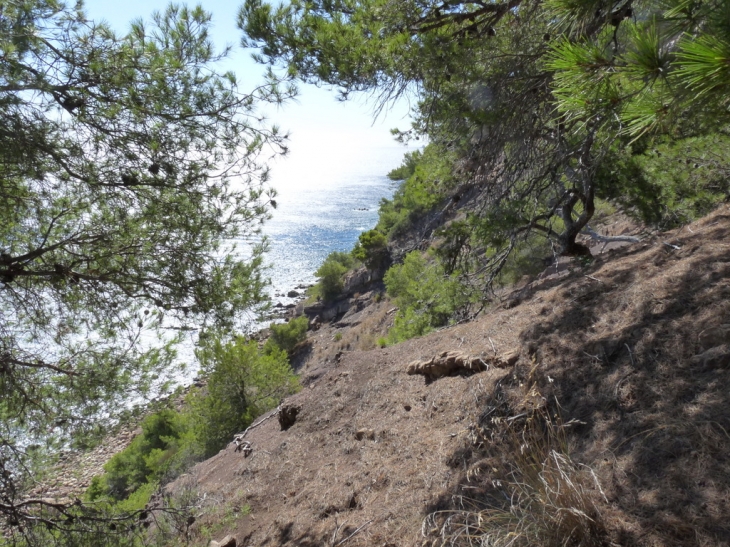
[(590, 407)]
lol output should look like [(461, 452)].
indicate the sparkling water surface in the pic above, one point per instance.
[(324, 208)]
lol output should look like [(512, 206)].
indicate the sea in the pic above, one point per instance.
[(323, 206), (324, 202)]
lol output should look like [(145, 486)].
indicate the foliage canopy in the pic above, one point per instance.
[(127, 164), (533, 99)]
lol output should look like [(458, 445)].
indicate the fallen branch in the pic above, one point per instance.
[(608, 239), (354, 533), (239, 436)]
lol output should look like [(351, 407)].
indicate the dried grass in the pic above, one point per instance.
[(540, 498)]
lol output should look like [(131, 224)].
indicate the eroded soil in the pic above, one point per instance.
[(633, 351)]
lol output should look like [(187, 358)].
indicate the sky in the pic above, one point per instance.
[(321, 127)]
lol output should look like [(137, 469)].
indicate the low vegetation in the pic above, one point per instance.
[(407, 168), (372, 250), (430, 181), (242, 382), (330, 276), (426, 296), (539, 496), (287, 336)]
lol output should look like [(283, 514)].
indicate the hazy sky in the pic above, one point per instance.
[(321, 127)]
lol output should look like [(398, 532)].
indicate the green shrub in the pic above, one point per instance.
[(286, 336), (527, 258), (372, 249), (330, 274), (242, 383), (148, 459), (668, 182), (431, 181), (407, 168), (427, 298)]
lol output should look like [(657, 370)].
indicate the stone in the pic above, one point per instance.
[(288, 415), (355, 280), (368, 434), (713, 358), (293, 294), (228, 541)]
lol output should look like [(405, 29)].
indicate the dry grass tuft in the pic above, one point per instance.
[(540, 497)]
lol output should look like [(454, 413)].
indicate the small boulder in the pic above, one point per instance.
[(368, 434), (228, 541), (288, 415), (715, 336), (293, 294)]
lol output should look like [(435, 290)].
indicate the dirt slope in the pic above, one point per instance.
[(633, 350)]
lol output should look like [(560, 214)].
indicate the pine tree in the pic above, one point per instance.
[(533, 98), (127, 166)]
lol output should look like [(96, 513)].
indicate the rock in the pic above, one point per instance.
[(455, 362), (327, 311), (288, 415), (313, 309), (315, 323), (293, 294), (716, 336), (368, 434), (242, 446), (717, 357), (228, 541), (355, 280)]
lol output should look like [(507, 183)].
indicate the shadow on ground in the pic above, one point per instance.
[(636, 350)]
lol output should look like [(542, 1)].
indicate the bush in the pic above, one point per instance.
[(372, 249), (148, 459), (430, 182), (407, 168), (667, 183), (330, 273), (426, 296), (243, 383), (527, 258), (286, 336)]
